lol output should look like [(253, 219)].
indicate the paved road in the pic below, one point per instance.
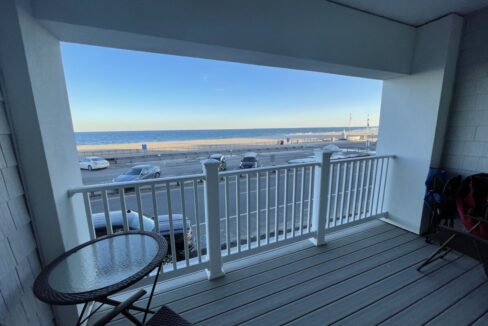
[(191, 165)]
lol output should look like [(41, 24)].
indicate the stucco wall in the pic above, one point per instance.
[(466, 146), (19, 260)]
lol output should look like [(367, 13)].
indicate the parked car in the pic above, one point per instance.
[(93, 163), (221, 159), (116, 218), (139, 172), (249, 161)]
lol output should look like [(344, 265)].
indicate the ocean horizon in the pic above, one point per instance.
[(147, 136)]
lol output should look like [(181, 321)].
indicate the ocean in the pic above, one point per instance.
[(127, 137)]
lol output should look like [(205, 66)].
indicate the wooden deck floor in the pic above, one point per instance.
[(363, 276)]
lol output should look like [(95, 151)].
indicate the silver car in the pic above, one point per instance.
[(139, 172)]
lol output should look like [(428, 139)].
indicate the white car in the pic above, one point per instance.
[(93, 163)]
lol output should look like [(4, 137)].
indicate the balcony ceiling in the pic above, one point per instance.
[(414, 12)]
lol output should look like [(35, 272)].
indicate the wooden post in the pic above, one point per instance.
[(212, 218), (320, 194)]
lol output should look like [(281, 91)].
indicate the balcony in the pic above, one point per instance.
[(255, 225)]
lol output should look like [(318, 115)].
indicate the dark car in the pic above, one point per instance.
[(249, 161), (221, 159), (180, 234), (139, 172)]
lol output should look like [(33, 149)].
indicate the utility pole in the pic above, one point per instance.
[(367, 134)]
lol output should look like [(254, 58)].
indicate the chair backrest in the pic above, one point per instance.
[(472, 201)]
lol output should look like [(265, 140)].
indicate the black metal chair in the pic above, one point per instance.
[(461, 241), (163, 317), (472, 206)]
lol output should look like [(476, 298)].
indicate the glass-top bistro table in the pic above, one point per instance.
[(102, 267)]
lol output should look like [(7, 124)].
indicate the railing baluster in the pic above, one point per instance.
[(338, 174), (379, 186), (366, 195), (293, 205), (238, 212), (329, 197), (373, 185), (197, 219), (248, 209), (171, 229), (356, 182), (267, 207), (139, 207), (349, 190), (258, 207), (310, 196), (343, 194), (227, 214), (123, 208), (302, 204), (106, 210), (277, 187), (361, 190), (88, 211), (155, 209), (185, 229), (384, 183), (285, 206)]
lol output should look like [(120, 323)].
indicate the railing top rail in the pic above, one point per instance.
[(269, 168), (118, 185), (362, 158)]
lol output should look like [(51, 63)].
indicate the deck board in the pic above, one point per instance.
[(375, 313), (437, 302), (364, 276), (465, 311)]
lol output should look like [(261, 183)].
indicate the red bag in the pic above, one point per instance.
[(472, 200)]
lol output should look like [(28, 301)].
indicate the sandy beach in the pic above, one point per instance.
[(230, 143)]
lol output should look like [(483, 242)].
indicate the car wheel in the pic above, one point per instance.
[(89, 167), (157, 175)]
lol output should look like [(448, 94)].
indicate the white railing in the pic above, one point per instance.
[(237, 213), (172, 206), (266, 206), (356, 190)]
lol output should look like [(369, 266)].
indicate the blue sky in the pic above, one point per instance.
[(112, 89)]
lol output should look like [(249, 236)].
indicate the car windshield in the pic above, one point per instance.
[(215, 157), (249, 159), (134, 171)]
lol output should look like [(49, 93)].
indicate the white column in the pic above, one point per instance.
[(414, 112), (320, 194), (212, 219)]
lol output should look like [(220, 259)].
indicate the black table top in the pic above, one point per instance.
[(101, 267)]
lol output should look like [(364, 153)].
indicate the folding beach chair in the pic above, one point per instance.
[(440, 199), (472, 207)]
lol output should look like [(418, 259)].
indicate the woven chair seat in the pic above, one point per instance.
[(167, 317)]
